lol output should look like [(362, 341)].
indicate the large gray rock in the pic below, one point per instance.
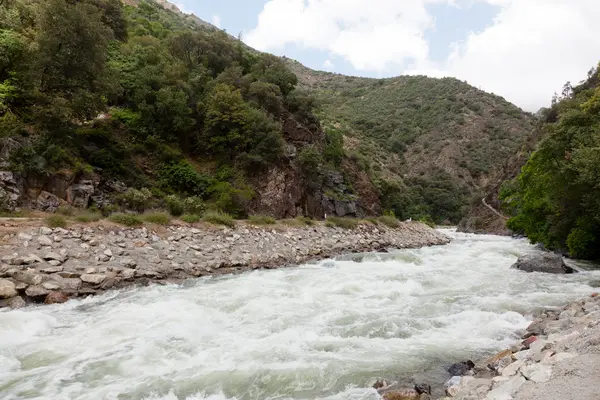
[(550, 263), (10, 192), (48, 202), (79, 194)]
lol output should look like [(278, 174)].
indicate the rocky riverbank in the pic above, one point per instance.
[(559, 358), (44, 265)]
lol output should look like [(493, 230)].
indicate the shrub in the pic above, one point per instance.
[(581, 244), (231, 199), (262, 220), (306, 220), (427, 220), (158, 218), (66, 211), (126, 219), (219, 218), (345, 223), (389, 221), (194, 205), (56, 221), (137, 200), (174, 205), (181, 177), (190, 218), (108, 209), (88, 217)]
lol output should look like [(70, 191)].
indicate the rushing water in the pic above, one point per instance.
[(320, 331)]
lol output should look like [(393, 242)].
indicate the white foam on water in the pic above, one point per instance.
[(319, 331)]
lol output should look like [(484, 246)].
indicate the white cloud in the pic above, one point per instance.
[(328, 65), (526, 54), (216, 21), (371, 34)]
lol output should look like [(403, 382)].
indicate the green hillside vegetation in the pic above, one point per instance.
[(180, 97), (177, 109), (429, 143), (556, 198)]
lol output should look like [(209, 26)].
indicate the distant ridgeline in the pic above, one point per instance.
[(97, 93), (556, 198)]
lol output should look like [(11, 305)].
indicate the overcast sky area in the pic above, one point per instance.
[(523, 50)]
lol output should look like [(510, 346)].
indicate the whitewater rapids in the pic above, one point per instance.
[(318, 331)]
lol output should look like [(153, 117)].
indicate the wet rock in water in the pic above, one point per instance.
[(419, 392), (461, 368), (543, 262), (7, 289), (56, 298), (380, 384), (13, 303)]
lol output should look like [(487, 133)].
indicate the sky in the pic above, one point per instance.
[(522, 50)]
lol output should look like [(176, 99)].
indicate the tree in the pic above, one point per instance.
[(69, 63), (272, 70)]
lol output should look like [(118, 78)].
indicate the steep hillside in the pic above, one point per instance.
[(555, 200), (439, 139), (138, 105)]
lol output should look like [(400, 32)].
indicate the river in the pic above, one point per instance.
[(318, 331)]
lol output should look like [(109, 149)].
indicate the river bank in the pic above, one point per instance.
[(558, 358), (44, 265)]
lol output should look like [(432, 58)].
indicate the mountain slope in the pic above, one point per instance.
[(97, 96), (555, 200), (439, 134), (186, 111)]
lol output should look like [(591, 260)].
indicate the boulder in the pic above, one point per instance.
[(7, 289), (505, 390), (44, 241), (94, 279), (538, 373), (550, 263), (528, 342), (54, 256), (36, 291), (13, 303), (79, 194), (461, 368), (56, 298), (407, 394), (513, 368), (10, 192), (48, 202), (380, 384), (27, 277), (452, 386)]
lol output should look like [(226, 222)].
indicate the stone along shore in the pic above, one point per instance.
[(558, 359), (44, 265)]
